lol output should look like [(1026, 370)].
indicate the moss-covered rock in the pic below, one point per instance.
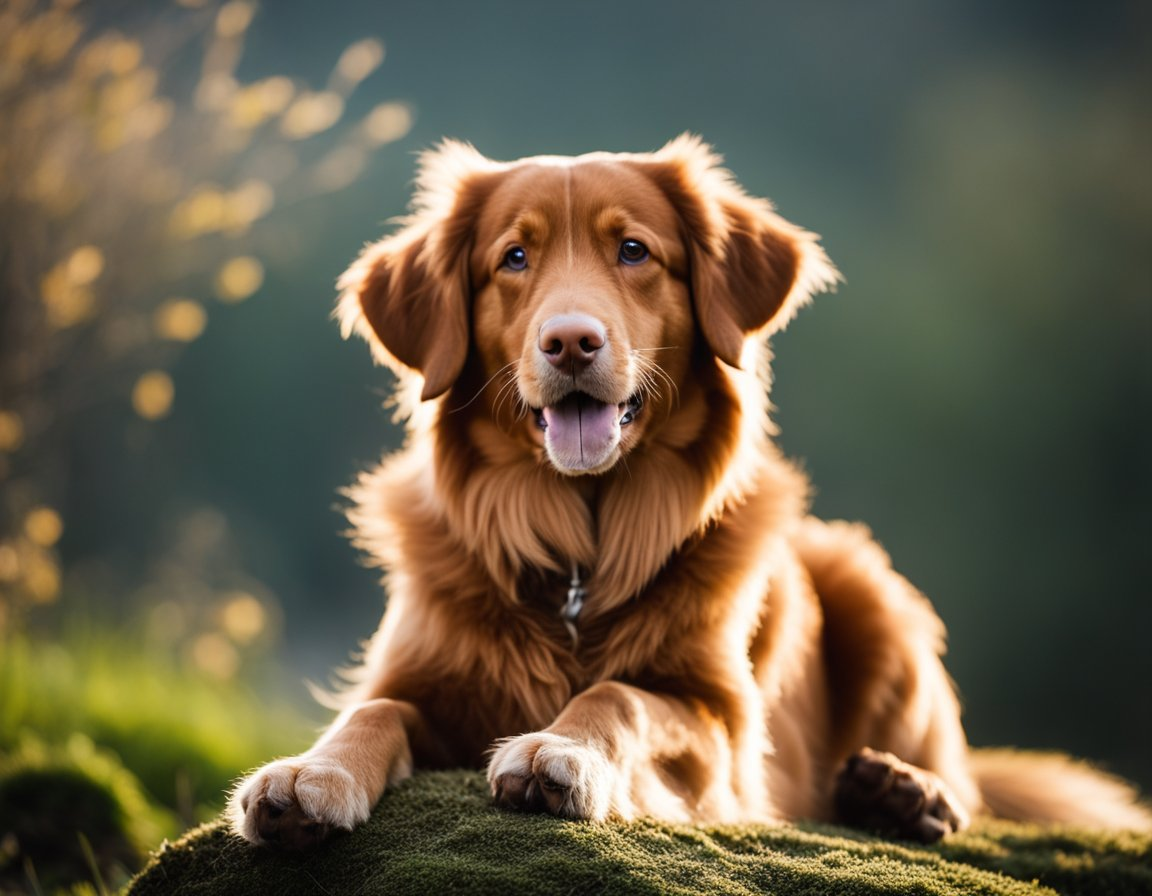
[(438, 833)]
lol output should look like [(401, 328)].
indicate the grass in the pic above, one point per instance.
[(185, 736), (107, 747)]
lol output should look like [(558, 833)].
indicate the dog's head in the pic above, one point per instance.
[(577, 290)]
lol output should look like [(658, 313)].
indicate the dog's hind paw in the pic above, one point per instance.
[(879, 792), (545, 772)]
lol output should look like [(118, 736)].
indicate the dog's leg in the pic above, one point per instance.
[(879, 792), (297, 802), (619, 750), (888, 690)]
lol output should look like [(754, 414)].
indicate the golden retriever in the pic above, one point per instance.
[(603, 582)]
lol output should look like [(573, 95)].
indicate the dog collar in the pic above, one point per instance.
[(570, 612)]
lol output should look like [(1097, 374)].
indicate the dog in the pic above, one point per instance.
[(603, 580)]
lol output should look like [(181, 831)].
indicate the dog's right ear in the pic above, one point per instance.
[(408, 295)]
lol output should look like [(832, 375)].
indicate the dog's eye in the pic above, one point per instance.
[(516, 258), (633, 252)]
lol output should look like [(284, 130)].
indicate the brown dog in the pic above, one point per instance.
[(601, 573)]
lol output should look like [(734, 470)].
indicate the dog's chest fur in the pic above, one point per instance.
[(687, 629)]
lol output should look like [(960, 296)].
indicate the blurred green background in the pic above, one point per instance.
[(178, 412)]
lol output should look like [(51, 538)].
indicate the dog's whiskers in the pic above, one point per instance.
[(650, 374), (507, 391), (480, 391)]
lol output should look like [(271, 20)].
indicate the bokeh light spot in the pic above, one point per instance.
[(66, 302), (239, 278), (11, 431), (234, 18), (43, 526), (65, 290), (387, 123), (340, 168), (242, 617), (148, 119), (122, 95), (360, 60), (58, 34), (202, 212), (247, 203), (256, 103), (108, 53), (9, 564), (215, 91), (181, 320), (311, 113), (152, 395), (41, 577), (84, 265), (210, 209), (124, 56), (215, 656)]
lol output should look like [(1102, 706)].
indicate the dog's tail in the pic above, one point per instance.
[(1055, 789)]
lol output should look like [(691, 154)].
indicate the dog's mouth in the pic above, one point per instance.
[(582, 433)]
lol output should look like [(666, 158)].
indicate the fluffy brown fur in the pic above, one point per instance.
[(581, 353)]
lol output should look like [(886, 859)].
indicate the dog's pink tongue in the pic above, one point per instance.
[(581, 432)]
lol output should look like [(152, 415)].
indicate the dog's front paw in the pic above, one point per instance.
[(877, 791), (545, 772), (296, 803)]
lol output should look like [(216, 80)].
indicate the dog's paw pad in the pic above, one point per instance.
[(879, 792)]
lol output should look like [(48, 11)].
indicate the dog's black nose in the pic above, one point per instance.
[(570, 341)]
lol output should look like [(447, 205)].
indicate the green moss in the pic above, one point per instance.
[(438, 833)]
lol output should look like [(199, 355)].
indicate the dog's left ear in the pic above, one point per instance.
[(408, 295), (750, 269)]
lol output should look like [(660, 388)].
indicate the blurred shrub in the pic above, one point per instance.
[(184, 734), (143, 185), (72, 814)]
